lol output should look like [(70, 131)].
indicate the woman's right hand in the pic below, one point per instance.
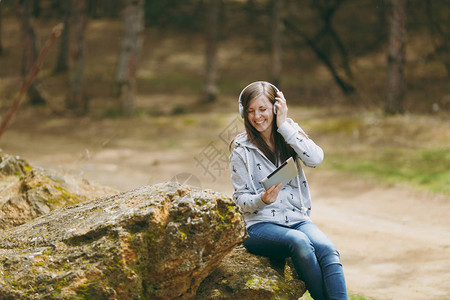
[(270, 195)]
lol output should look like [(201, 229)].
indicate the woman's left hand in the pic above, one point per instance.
[(281, 108)]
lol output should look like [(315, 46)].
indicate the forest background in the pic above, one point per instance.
[(136, 92)]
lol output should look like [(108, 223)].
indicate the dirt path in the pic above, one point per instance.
[(394, 242)]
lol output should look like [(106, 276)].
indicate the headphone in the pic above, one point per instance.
[(241, 107)]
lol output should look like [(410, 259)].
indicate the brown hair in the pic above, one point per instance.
[(282, 150)]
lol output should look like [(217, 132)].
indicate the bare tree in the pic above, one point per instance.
[(29, 50), (212, 35), (76, 99), (396, 86), (62, 62), (129, 53), (326, 43), (56, 32), (276, 42)]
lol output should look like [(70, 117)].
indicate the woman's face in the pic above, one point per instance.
[(260, 114)]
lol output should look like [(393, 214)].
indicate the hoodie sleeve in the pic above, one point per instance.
[(248, 200), (308, 152)]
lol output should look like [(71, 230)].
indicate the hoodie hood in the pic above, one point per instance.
[(242, 140)]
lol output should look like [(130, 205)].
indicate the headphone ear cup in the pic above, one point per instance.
[(275, 108), (241, 109)]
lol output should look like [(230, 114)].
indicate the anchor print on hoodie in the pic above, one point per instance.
[(248, 166)]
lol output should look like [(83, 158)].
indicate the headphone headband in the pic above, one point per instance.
[(241, 107)]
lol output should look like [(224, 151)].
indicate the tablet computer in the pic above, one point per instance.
[(283, 174)]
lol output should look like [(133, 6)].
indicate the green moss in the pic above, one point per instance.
[(225, 214), (263, 283), (84, 291), (200, 201), (59, 285), (178, 216), (66, 193), (183, 235), (81, 292), (15, 283)]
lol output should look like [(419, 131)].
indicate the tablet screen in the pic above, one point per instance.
[(283, 174)]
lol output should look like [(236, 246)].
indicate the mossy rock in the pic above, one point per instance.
[(132, 245), (27, 192), (242, 275)]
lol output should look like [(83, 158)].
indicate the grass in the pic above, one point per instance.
[(408, 150), (351, 296), (424, 169)]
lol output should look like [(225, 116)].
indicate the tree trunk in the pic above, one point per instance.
[(276, 46), (344, 84), (129, 53), (30, 52), (62, 63), (76, 100), (36, 8), (251, 11), (441, 39), (92, 9), (396, 86), (211, 89), (1, 44), (147, 13), (326, 41)]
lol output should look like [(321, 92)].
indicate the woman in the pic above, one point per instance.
[(278, 219)]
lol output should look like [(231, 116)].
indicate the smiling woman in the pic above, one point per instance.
[(258, 108), (260, 116), (278, 218)]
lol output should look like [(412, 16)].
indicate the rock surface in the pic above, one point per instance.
[(157, 242), (27, 192), (245, 276)]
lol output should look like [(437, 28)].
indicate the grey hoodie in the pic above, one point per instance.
[(249, 166)]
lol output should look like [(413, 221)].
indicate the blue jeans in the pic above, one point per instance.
[(314, 256)]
